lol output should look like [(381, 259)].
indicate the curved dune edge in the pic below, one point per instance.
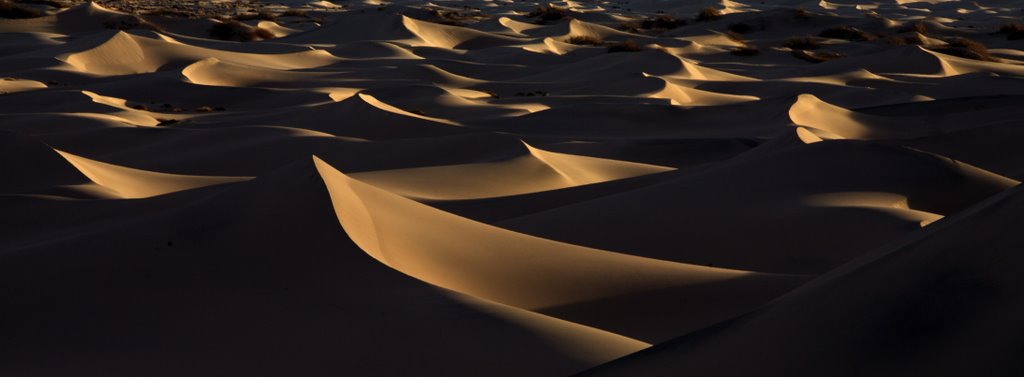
[(127, 54), (380, 105), (215, 72), (834, 122), (592, 345), (525, 271), (681, 95), (452, 37), (12, 85), (538, 170), (129, 183), (894, 204)]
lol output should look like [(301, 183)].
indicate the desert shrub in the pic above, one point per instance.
[(628, 45), (746, 51), (709, 14), (903, 41), (295, 13), (204, 109), (549, 13), (662, 22), (10, 10), (584, 40), (916, 27), (237, 31), (847, 33), (1013, 31), (816, 56), (965, 48), (802, 43), (741, 28)]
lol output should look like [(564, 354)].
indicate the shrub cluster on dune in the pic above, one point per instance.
[(237, 31)]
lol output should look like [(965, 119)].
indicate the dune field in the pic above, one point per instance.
[(511, 188)]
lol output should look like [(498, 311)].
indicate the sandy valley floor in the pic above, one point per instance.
[(511, 188)]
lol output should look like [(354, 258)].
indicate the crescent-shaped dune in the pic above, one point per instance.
[(134, 183)]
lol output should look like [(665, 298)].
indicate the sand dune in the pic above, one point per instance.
[(490, 188), (948, 316)]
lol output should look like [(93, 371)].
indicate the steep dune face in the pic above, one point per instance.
[(480, 188), (524, 271), (536, 171), (131, 183)]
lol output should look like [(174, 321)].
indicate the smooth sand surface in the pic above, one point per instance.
[(505, 188)]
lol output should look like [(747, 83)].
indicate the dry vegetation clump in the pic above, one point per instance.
[(11, 10), (457, 18), (802, 43), (1013, 31), (916, 27), (628, 45), (549, 13), (817, 56), (709, 14), (965, 48), (746, 50), (584, 40), (295, 13), (847, 33), (662, 22), (237, 31), (905, 40)]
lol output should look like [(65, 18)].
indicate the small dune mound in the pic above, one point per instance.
[(264, 15), (848, 33), (237, 31), (741, 28)]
